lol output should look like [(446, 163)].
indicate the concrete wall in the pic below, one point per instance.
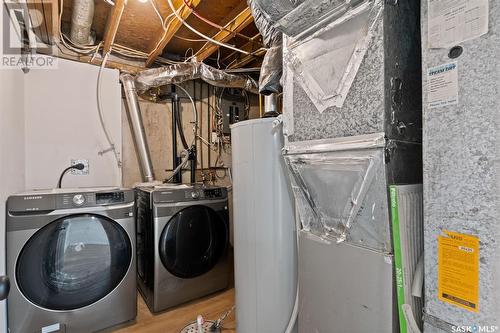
[(62, 123), (11, 151), (157, 120)]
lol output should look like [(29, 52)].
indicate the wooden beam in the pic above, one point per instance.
[(245, 60), (122, 67), (167, 36), (254, 46), (51, 14), (240, 22), (37, 20), (112, 24)]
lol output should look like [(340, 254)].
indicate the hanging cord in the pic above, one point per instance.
[(112, 146), (78, 166)]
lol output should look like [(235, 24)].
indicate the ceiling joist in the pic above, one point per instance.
[(112, 24), (253, 46), (240, 22), (173, 27)]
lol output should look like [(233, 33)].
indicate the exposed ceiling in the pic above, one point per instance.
[(133, 31)]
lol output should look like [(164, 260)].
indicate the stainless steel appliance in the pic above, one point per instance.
[(71, 260), (182, 243)]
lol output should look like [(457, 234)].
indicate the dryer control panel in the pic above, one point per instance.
[(168, 195)]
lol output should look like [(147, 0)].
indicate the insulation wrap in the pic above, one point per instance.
[(181, 72)]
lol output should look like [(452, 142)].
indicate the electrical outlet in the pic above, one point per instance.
[(83, 172)]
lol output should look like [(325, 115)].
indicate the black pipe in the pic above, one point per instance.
[(193, 157), (180, 129), (175, 159)]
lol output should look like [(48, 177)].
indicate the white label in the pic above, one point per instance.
[(442, 85), (51, 328), (455, 21)]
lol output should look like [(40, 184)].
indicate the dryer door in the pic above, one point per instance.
[(73, 262), (193, 241)]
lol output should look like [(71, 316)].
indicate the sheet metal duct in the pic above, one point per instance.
[(139, 134), (81, 21), (271, 106), (179, 73), (272, 66)]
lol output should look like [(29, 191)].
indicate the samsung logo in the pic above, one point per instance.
[(35, 197)]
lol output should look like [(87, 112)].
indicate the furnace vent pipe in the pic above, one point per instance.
[(271, 106), (134, 113), (81, 21)]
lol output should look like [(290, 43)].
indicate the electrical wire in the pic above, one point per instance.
[(165, 31), (179, 17), (100, 111), (213, 24), (157, 11), (189, 39)]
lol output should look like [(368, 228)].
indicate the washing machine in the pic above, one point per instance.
[(71, 260), (182, 243)]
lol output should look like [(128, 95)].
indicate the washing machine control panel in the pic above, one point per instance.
[(212, 193), (180, 194)]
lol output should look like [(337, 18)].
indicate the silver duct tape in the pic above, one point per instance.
[(368, 141), (325, 64), (357, 211), (179, 73)]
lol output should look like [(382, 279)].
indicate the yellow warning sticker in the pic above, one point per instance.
[(458, 270)]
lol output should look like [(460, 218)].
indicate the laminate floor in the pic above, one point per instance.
[(172, 321)]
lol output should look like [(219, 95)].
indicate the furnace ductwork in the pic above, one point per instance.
[(81, 21), (272, 67), (139, 134), (178, 73)]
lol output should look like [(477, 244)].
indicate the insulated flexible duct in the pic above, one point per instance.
[(272, 66), (178, 73), (81, 21)]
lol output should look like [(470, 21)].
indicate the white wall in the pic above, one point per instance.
[(62, 123), (48, 117), (11, 151)]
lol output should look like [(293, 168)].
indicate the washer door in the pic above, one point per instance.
[(193, 241), (73, 262)]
